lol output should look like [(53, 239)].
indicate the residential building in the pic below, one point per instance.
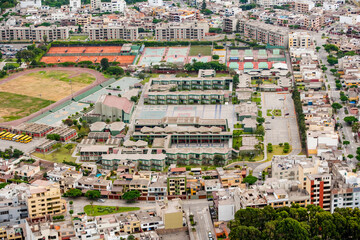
[(300, 40), (45, 200), (30, 3), (75, 5), (319, 188), (113, 32), (95, 4), (304, 6), (26, 171), (33, 33), (93, 183), (155, 3), (157, 189), (184, 31), (230, 178), (176, 185), (14, 232), (171, 213), (199, 83)]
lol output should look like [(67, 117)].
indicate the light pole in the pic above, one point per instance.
[(72, 97)]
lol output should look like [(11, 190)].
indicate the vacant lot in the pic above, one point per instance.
[(203, 50), (15, 106), (97, 210), (48, 84)]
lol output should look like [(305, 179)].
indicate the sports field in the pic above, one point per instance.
[(202, 50), (15, 106), (48, 84)]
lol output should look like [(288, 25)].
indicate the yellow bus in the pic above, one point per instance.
[(17, 137), (20, 138), (10, 137), (26, 140), (4, 135), (29, 139)]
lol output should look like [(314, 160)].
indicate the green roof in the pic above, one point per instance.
[(248, 65), (234, 65), (263, 65)]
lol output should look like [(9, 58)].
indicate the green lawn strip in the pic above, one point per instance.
[(277, 150), (203, 50), (275, 112), (97, 210), (203, 167), (57, 156), (255, 99), (20, 106), (76, 38)]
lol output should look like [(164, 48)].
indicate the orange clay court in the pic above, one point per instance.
[(101, 49), (123, 60)]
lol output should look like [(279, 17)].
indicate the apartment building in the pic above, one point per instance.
[(265, 33), (184, 31), (171, 213), (176, 185), (95, 4), (14, 232), (145, 161), (314, 22), (303, 6), (319, 188), (33, 33), (45, 200), (199, 83), (229, 24), (157, 190), (300, 40), (230, 178), (187, 97), (91, 183), (113, 32)]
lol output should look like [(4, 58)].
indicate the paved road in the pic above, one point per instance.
[(200, 210), (335, 97)]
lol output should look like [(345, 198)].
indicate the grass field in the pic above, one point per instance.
[(97, 210), (76, 38), (203, 50), (50, 85), (15, 106), (277, 150), (58, 156), (275, 112)]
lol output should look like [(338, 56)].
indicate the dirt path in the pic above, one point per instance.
[(99, 79)]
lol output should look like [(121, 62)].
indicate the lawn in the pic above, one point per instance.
[(15, 106), (256, 99), (237, 142), (77, 38), (277, 150), (275, 112), (49, 84), (58, 156), (147, 79), (97, 210), (203, 50)]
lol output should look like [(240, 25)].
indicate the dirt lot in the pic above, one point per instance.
[(48, 84)]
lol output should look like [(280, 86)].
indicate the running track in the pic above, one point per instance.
[(99, 79)]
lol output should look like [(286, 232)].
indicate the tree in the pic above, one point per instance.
[(215, 57), (250, 179), (332, 60), (131, 196), (104, 63), (318, 48), (336, 106), (323, 68), (134, 98), (73, 193), (350, 156), (71, 211), (333, 70), (115, 70), (68, 122), (71, 202), (260, 130), (244, 232), (346, 142), (343, 98), (219, 160), (260, 120), (289, 229), (45, 38), (54, 136), (131, 237), (355, 127), (79, 29), (203, 6), (259, 81), (350, 119), (69, 147), (93, 194)]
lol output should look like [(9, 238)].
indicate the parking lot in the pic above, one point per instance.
[(280, 129), (25, 147)]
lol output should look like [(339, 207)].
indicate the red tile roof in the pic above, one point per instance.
[(119, 103)]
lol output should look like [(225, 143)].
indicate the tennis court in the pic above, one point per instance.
[(152, 55), (91, 49)]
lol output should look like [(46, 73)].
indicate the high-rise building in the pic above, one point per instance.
[(95, 4), (155, 3), (300, 40), (45, 200), (75, 4)]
